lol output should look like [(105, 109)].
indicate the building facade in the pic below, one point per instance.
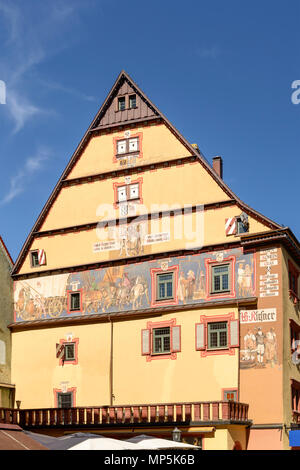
[(147, 281)]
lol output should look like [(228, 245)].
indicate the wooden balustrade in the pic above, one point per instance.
[(155, 413)]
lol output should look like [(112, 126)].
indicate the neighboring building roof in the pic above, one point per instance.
[(12, 437), (6, 252)]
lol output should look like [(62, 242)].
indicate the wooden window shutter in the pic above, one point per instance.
[(200, 336), (42, 257), (176, 339), (146, 347), (234, 334), (230, 226)]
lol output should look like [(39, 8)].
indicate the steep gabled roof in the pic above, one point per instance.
[(105, 119)]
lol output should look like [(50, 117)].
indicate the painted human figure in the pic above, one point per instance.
[(191, 278), (202, 281), (241, 278), (271, 347), (124, 242), (260, 346), (181, 287), (249, 345), (248, 279)]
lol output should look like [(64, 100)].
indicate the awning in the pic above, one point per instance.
[(294, 438)]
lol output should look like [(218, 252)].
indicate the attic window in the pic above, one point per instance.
[(132, 101), (34, 258), (121, 103)]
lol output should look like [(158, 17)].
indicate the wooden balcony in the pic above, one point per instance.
[(155, 414)]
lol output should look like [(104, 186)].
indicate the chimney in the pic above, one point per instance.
[(218, 166)]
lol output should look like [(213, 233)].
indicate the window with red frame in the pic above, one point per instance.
[(128, 192), (162, 338), (217, 335), (127, 146)]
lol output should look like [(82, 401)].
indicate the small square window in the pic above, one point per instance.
[(122, 194), (65, 400), (161, 340), (134, 191), (230, 395), (35, 258), (220, 279), (217, 335), (132, 101), (69, 352), (74, 301), (121, 146), (241, 227), (165, 286), (121, 103), (133, 144)]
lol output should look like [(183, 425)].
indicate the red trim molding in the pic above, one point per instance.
[(161, 324), (229, 350), (164, 303), (138, 181), (76, 342), (68, 300), (209, 263), (139, 153), (56, 391)]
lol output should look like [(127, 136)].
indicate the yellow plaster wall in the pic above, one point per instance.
[(189, 184), (218, 442), (36, 371), (61, 248), (158, 144), (189, 377)]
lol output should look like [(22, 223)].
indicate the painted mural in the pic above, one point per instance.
[(130, 287)]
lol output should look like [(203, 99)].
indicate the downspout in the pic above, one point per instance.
[(111, 394)]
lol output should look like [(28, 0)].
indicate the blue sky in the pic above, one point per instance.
[(220, 71)]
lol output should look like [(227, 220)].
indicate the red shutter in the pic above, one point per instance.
[(42, 257), (146, 342), (230, 226), (200, 337), (176, 339), (234, 338)]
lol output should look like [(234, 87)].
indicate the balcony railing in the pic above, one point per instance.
[(218, 411)]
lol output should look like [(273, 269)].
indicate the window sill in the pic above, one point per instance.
[(136, 199), (126, 109), (223, 292), (127, 154)]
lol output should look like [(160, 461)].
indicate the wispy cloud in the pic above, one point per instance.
[(23, 177), (29, 43), (211, 52), (12, 17), (20, 110)]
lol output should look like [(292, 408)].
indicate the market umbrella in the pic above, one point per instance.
[(143, 441), (103, 443)]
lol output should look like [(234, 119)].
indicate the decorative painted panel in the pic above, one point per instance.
[(130, 287)]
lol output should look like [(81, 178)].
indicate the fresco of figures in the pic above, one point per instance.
[(124, 288), (260, 348)]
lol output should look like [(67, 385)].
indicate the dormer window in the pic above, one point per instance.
[(121, 103), (132, 101)]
